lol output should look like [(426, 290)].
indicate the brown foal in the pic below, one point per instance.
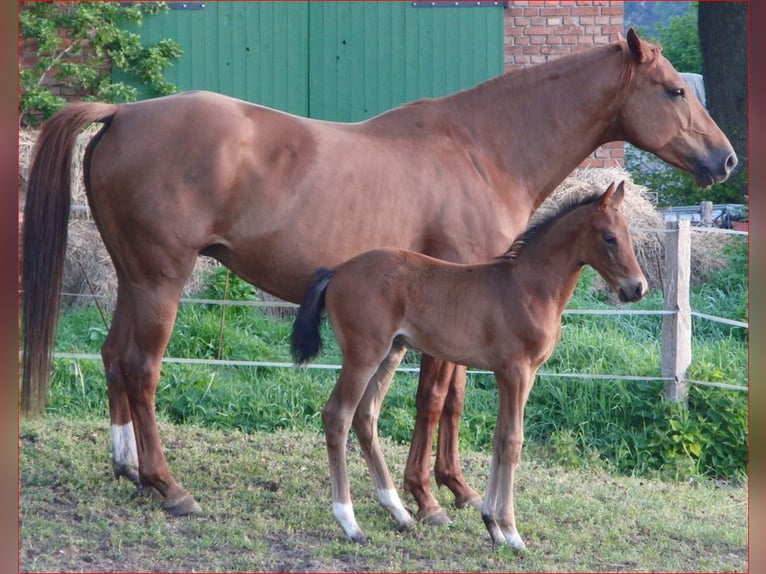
[(504, 316)]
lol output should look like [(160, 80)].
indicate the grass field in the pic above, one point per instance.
[(266, 498)]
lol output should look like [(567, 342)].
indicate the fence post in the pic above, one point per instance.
[(706, 209), (677, 327)]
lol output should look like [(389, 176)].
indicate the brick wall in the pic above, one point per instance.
[(538, 31)]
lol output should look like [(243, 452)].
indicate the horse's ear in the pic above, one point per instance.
[(638, 49), (619, 195), (606, 198), (612, 197)]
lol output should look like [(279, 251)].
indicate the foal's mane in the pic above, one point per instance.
[(540, 226)]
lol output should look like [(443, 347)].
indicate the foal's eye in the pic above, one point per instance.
[(677, 92), (610, 239)]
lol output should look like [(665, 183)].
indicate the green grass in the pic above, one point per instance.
[(266, 501)]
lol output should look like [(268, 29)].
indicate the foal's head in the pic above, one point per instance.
[(606, 245)]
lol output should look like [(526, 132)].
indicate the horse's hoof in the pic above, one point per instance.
[(436, 518), (183, 507), (405, 527)]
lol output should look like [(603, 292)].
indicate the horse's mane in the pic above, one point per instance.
[(540, 225)]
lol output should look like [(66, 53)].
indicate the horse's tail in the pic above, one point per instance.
[(43, 243), (306, 339)]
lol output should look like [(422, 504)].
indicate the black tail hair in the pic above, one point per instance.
[(306, 340)]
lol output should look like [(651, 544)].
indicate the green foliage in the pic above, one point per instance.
[(223, 284), (679, 39), (63, 31)]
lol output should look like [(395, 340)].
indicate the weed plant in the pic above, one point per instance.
[(623, 425)]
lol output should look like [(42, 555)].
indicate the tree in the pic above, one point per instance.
[(79, 44), (723, 41)]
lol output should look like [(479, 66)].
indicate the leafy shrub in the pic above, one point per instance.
[(62, 30)]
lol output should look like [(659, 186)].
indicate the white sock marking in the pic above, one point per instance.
[(124, 450), (390, 500), (344, 514)]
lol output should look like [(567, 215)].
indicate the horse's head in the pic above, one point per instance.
[(662, 115), (609, 248)]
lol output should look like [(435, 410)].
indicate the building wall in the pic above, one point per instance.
[(536, 32)]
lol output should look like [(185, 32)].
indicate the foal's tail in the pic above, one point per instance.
[(43, 243), (306, 339)]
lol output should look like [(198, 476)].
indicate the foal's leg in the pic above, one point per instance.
[(337, 417), (497, 510), (447, 469), (132, 354), (365, 425)]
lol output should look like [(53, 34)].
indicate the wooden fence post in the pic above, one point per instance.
[(677, 327), (706, 209)]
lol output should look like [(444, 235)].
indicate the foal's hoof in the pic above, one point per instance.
[(435, 518), (182, 507), (126, 471), (475, 503), (359, 538)]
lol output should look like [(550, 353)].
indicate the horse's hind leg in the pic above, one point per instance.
[(142, 324), (365, 425), (337, 417)]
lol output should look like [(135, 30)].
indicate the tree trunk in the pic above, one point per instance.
[(723, 42)]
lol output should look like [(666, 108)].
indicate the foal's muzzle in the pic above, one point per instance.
[(632, 291)]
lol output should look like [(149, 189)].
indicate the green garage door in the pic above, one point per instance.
[(341, 61)]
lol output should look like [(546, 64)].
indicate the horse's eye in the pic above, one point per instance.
[(610, 239), (677, 92)]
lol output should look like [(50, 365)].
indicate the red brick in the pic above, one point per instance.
[(568, 31), (584, 11), (538, 30)]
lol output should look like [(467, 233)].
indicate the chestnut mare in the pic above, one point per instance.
[(503, 316), (275, 196)]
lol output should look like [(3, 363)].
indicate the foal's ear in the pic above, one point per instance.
[(612, 196)]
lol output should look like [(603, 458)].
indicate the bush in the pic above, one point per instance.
[(76, 41)]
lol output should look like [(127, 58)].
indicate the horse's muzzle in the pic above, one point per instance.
[(633, 291), (717, 169)]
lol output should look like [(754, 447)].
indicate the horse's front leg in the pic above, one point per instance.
[(433, 385), (447, 469), (498, 510)]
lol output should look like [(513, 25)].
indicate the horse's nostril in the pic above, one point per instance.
[(731, 162)]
